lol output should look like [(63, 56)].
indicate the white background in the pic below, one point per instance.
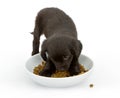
[(98, 26)]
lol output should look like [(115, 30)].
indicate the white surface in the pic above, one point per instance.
[(58, 82), (98, 25)]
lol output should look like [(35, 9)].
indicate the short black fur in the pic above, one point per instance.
[(61, 44)]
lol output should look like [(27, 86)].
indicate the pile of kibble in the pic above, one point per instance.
[(57, 74)]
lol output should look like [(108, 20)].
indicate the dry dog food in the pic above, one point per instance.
[(57, 74), (91, 85)]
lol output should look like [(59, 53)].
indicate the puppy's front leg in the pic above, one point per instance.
[(74, 68), (48, 69)]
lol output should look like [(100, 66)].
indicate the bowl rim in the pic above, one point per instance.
[(61, 78)]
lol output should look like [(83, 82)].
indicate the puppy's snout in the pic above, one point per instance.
[(61, 68)]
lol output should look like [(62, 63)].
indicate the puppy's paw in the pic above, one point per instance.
[(74, 71), (34, 52), (45, 73)]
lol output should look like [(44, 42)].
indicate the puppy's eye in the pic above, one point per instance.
[(65, 57)]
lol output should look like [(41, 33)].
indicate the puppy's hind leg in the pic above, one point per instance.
[(36, 38)]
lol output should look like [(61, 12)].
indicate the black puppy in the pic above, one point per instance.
[(62, 46)]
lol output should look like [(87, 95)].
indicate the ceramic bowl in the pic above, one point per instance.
[(58, 82)]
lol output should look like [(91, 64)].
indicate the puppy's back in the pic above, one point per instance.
[(54, 20)]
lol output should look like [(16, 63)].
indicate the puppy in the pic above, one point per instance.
[(61, 44)]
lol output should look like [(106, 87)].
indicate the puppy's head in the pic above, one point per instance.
[(61, 51)]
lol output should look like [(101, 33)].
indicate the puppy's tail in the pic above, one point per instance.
[(32, 33)]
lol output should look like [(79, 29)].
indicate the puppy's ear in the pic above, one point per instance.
[(44, 50), (76, 48)]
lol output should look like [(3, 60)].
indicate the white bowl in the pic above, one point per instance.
[(58, 82)]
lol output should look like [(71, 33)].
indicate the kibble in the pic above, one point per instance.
[(57, 74), (91, 85)]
